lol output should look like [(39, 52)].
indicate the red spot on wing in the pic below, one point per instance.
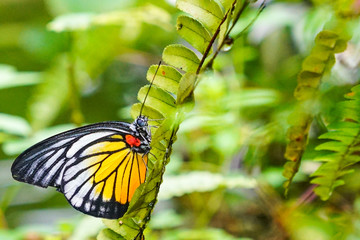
[(132, 141), (163, 73)]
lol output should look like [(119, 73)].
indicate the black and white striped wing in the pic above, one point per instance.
[(43, 163), (93, 166)]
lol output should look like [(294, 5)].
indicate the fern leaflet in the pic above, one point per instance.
[(343, 147)]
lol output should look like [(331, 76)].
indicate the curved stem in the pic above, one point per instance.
[(261, 8), (207, 51)]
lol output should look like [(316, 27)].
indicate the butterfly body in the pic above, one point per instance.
[(97, 167)]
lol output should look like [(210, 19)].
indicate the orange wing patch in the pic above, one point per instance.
[(130, 176), (110, 164), (120, 172), (137, 174)]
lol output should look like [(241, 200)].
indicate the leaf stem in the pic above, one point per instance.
[(207, 51), (236, 18), (262, 6)]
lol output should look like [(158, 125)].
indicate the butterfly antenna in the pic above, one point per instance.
[(151, 83)]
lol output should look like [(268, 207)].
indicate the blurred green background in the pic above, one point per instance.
[(65, 63)]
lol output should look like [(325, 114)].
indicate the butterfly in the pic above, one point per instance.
[(97, 167)]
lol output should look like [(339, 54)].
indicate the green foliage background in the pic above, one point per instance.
[(266, 115)]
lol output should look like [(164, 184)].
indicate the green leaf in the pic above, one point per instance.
[(290, 168), (108, 234), (49, 96), (89, 57), (344, 151), (351, 113), (147, 13), (353, 105), (9, 77), (327, 38), (314, 67), (14, 125), (355, 89), (350, 160), (181, 57), (313, 64), (223, 30), (252, 98), (345, 137), (114, 29), (302, 92), (166, 219), (87, 227), (71, 22), (329, 168), (158, 99), (126, 229), (311, 79), (17, 146), (167, 77), (186, 88), (332, 145), (200, 181), (326, 157), (193, 32), (163, 131), (348, 127), (147, 111), (208, 12), (317, 64), (226, 4)]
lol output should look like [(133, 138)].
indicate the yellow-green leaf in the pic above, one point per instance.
[(226, 4), (194, 32), (166, 78), (71, 22), (208, 12), (153, 115), (181, 57), (327, 38), (186, 88), (158, 99), (49, 96), (313, 64), (9, 77), (108, 234)]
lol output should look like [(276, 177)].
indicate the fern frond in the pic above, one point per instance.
[(342, 148), (169, 99), (314, 68)]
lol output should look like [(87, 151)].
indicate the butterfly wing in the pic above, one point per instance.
[(102, 178), (93, 166), (43, 163)]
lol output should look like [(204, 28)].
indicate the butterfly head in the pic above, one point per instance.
[(141, 122), (141, 130)]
